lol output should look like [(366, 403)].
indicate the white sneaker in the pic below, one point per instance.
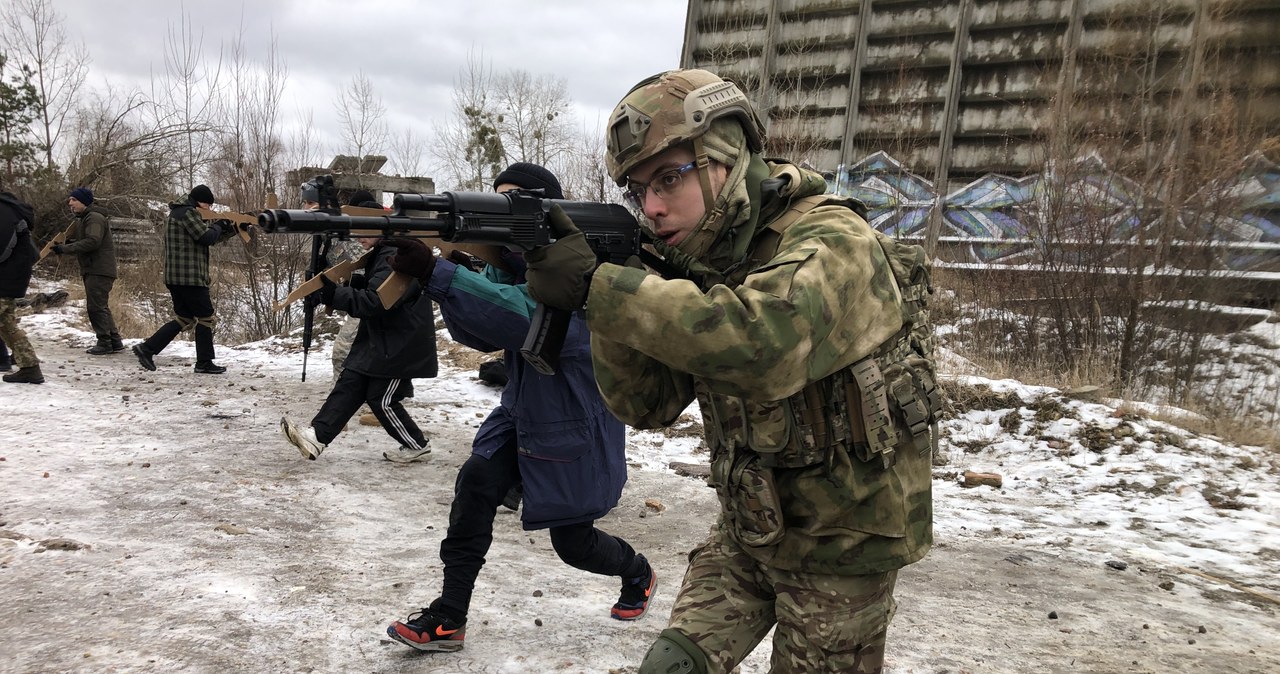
[(409, 454), (302, 438)]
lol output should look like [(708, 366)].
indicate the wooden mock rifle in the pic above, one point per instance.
[(60, 238)]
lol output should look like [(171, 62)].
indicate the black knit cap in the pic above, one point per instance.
[(360, 197), (530, 177), (201, 194)]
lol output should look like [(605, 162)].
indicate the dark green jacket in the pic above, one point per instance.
[(91, 244)]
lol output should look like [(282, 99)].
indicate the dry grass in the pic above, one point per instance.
[(1231, 429), (139, 301), (461, 357)]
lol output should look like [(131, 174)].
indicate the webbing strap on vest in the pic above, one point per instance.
[(881, 435), (766, 244)]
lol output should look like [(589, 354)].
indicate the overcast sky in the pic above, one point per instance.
[(411, 50)]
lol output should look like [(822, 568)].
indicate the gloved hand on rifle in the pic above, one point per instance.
[(559, 275), (412, 257), (463, 259), (325, 294)]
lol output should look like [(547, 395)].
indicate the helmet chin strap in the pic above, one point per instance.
[(703, 162)]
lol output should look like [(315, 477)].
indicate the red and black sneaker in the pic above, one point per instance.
[(427, 630), (636, 593)]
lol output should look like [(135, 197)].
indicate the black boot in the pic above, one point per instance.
[(6, 364), (144, 357), (25, 375), (117, 344), (99, 349), (209, 367)]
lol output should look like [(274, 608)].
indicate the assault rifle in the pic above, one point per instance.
[(517, 220), (316, 263)]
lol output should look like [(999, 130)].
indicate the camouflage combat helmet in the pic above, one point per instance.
[(671, 108)]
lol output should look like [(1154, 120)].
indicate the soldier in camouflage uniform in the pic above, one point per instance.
[(789, 328), (17, 257), (187, 238)]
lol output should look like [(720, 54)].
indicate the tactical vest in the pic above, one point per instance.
[(867, 410), (870, 406)]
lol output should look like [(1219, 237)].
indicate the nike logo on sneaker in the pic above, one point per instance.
[(442, 632)]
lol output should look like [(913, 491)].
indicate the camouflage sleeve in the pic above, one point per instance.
[(639, 390), (826, 299)]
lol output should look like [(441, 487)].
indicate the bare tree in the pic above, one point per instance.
[(118, 143), (189, 96), (469, 144), (407, 151), (533, 119), (363, 117), (249, 167), (254, 277), (582, 171), (302, 149), (35, 33)]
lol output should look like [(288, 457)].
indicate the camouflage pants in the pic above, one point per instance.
[(825, 623), (12, 334), (342, 344)]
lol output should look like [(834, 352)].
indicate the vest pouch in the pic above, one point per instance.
[(915, 401), (769, 426), (724, 420), (751, 502)]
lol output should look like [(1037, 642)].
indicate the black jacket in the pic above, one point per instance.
[(399, 342), (17, 254)]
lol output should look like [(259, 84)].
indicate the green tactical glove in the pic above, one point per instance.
[(559, 275)]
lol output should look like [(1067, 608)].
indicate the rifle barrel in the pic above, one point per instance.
[(285, 221)]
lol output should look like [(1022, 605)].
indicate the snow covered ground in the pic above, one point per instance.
[(157, 521)]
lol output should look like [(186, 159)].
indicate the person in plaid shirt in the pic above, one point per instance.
[(187, 238)]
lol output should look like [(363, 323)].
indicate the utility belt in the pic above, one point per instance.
[(869, 410)]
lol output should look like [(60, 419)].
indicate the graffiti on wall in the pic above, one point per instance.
[(1084, 207)]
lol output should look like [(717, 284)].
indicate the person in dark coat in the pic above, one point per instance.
[(95, 250), (391, 348), (17, 257), (551, 433)]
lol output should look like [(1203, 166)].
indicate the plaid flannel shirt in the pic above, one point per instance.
[(186, 263)]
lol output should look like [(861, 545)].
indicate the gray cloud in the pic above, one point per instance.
[(412, 51)]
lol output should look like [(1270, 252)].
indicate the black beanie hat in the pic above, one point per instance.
[(82, 194), (201, 194), (360, 197), (530, 177)]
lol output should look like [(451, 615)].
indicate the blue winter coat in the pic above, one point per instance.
[(571, 449)]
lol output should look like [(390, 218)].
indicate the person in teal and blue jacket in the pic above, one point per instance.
[(551, 433)]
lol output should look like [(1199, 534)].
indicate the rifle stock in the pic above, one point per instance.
[(338, 273)]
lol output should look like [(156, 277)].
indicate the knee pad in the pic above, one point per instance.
[(209, 321), (184, 323), (673, 653)]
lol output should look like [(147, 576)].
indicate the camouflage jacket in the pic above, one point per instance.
[(186, 253), (826, 300)]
